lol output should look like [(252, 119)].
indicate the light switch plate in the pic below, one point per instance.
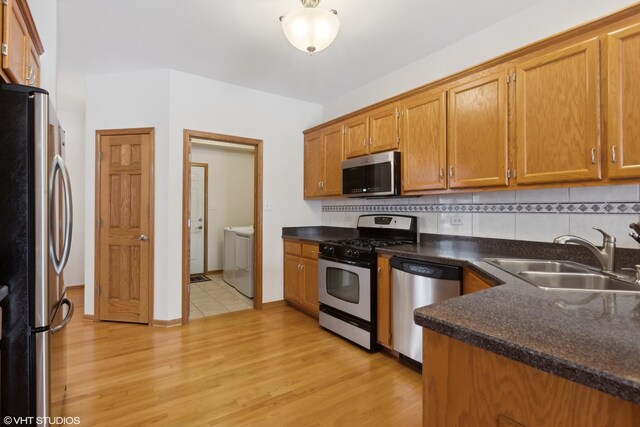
[(268, 205), (456, 220)]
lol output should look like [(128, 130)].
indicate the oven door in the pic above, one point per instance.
[(345, 286)]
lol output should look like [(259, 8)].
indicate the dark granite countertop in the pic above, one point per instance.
[(318, 233), (589, 338)]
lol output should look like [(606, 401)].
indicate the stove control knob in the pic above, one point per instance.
[(349, 252), (356, 254), (329, 249)]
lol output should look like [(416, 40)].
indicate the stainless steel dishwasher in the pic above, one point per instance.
[(416, 284)]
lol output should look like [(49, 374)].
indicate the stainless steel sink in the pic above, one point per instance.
[(518, 265), (563, 275), (586, 282)]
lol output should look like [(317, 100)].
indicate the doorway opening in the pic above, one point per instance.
[(222, 224)]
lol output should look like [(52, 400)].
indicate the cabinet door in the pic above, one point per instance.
[(16, 38), (313, 164), (384, 302), (384, 133), (478, 133), (333, 161), (471, 282), (292, 278), (424, 142), (310, 288), (623, 102), (557, 116), (355, 138)]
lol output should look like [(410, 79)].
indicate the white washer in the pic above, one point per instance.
[(237, 263)]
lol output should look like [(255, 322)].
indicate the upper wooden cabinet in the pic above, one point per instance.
[(21, 45), (323, 163), (557, 116), (623, 102), (478, 132), (373, 132), (424, 142)]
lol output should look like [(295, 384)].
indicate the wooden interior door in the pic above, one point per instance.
[(557, 115), (126, 225), (333, 161), (478, 132), (424, 142), (623, 102)]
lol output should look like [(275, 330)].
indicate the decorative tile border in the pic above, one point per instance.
[(543, 208)]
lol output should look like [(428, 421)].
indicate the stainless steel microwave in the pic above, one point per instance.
[(377, 175)]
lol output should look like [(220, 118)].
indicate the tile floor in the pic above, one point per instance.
[(216, 297)]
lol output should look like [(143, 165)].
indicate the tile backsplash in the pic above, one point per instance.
[(536, 215)]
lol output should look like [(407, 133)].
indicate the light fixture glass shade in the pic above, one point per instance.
[(311, 29)]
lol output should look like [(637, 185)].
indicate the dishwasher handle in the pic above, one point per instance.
[(426, 269)]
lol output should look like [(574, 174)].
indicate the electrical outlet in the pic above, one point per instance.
[(212, 207), (268, 205), (456, 220)]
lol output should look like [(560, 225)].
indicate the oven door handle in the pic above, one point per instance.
[(363, 264)]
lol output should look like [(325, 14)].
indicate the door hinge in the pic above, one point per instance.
[(98, 290), (189, 222), (5, 49), (188, 288), (99, 155), (99, 222)]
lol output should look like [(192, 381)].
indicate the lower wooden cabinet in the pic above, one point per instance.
[(301, 276), (466, 385), (472, 282), (384, 302)]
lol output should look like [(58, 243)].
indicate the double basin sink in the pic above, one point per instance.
[(563, 275)]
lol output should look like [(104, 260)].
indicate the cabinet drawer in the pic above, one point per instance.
[(292, 248), (310, 251)]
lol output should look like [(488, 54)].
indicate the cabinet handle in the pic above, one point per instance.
[(364, 141), (450, 171), (613, 154), (370, 140), (299, 267), (441, 174), (322, 184), (379, 270), (593, 156), (29, 75)]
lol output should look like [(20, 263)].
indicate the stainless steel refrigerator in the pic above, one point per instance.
[(36, 217)]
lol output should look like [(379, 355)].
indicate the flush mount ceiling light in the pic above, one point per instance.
[(311, 29)]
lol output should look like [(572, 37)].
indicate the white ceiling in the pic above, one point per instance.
[(241, 41)]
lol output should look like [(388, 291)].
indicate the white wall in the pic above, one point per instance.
[(532, 24), (132, 100), (173, 101), (45, 16), (73, 125), (230, 193)]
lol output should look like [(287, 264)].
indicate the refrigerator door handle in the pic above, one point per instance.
[(59, 165), (64, 301)]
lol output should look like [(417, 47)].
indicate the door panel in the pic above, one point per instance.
[(292, 278), (424, 142), (313, 164), (198, 191), (333, 161), (557, 109), (623, 103), (355, 137), (310, 288), (125, 215), (477, 133)]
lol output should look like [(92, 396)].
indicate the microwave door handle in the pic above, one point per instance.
[(59, 263)]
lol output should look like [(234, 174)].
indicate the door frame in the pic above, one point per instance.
[(96, 260), (206, 212), (257, 212)]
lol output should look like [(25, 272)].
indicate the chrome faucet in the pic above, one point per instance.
[(606, 255)]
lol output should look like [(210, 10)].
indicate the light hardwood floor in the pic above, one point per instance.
[(273, 367)]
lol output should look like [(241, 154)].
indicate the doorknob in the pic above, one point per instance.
[(199, 219), (142, 237), (200, 228)]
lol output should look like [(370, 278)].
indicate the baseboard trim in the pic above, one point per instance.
[(81, 285), (274, 304), (213, 272), (166, 323), (88, 317)]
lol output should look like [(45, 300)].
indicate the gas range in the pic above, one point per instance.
[(347, 284)]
